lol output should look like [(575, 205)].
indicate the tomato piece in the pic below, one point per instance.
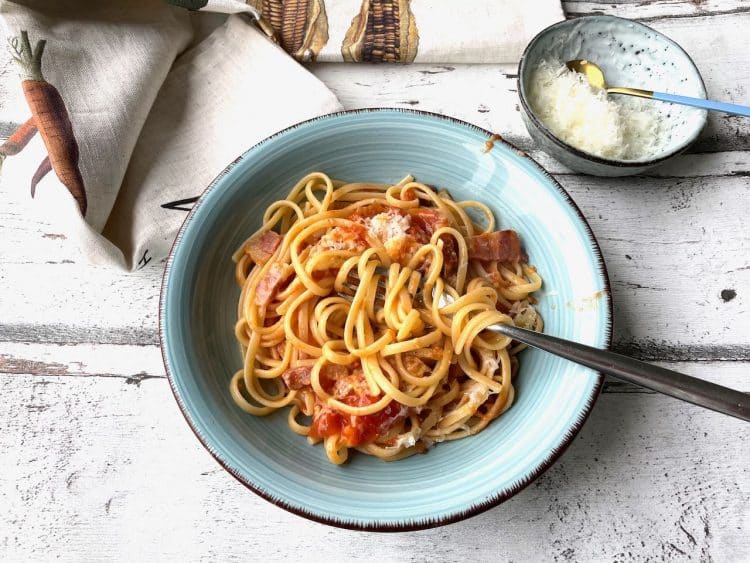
[(326, 422), (351, 388), (366, 429)]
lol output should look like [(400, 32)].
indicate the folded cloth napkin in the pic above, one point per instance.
[(127, 117), (133, 108)]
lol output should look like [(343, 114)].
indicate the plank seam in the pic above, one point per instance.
[(703, 14)]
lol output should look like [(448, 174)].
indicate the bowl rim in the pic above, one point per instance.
[(575, 150), (402, 525)]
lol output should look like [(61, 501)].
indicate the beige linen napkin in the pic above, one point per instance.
[(126, 116)]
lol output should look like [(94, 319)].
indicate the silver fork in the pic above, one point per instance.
[(687, 388)]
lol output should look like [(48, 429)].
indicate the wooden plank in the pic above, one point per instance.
[(676, 252), (691, 165), (650, 11), (135, 364), (79, 304), (672, 246), (96, 462), (132, 363)]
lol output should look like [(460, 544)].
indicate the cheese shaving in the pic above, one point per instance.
[(388, 226), (406, 440), (615, 127), (476, 393), (338, 239)]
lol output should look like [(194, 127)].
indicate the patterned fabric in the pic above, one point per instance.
[(400, 31), (127, 113), (405, 31)]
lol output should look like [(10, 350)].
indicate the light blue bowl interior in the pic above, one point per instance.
[(552, 396), (630, 54)]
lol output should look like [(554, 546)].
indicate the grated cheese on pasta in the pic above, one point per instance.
[(388, 226)]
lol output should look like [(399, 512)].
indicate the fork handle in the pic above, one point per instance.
[(693, 390), (733, 109)]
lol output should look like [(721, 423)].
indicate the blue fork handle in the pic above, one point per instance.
[(701, 103)]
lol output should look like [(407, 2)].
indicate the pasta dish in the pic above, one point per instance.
[(363, 309)]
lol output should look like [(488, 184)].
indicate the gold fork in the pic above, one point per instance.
[(684, 387)]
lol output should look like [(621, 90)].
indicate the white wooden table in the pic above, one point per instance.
[(96, 461)]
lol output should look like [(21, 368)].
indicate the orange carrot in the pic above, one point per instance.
[(51, 118), (40, 173), (19, 139)]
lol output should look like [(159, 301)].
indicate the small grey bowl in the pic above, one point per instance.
[(630, 54)]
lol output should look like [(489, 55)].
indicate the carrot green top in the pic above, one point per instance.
[(29, 60)]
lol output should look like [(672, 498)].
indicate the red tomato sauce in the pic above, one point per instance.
[(355, 430)]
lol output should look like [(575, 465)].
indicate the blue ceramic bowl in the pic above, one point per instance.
[(455, 479), (630, 54)]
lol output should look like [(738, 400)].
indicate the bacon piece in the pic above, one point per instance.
[(501, 246), (318, 275), (414, 365), (425, 221), (261, 247), (269, 284), (330, 374), (297, 378), (432, 353), (352, 389), (450, 254)]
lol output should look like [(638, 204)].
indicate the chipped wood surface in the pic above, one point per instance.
[(97, 462), (663, 9), (100, 463)]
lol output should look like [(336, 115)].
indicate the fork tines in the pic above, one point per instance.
[(353, 282)]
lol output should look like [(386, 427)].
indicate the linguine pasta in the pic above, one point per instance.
[(387, 377)]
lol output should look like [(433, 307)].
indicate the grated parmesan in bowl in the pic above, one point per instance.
[(613, 127), (608, 135)]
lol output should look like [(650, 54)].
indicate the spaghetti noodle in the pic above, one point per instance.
[(390, 376)]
